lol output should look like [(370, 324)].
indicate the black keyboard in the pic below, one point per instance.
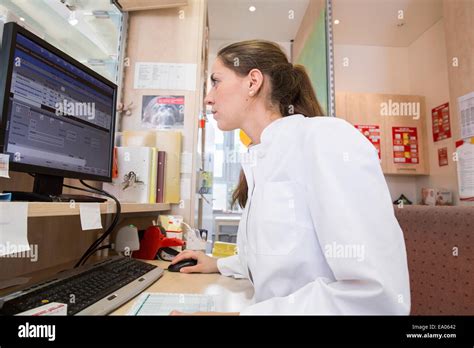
[(95, 289)]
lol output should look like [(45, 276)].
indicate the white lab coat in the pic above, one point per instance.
[(318, 234)]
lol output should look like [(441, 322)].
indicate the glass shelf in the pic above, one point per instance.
[(88, 30)]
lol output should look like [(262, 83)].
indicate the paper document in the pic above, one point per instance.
[(465, 167), (165, 76), (53, 308), (466, 111), (13, 228), (165, 303)]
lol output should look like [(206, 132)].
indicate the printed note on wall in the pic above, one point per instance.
[(165, 76)]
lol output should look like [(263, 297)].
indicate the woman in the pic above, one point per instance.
[(318, 233)]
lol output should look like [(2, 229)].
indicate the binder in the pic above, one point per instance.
[(160, 185), (170, 142), (153, 175)]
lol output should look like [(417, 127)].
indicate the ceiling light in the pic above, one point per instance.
[(252, 8), (101, 14), (22, 19), (336, 21), (95, 62), (72, 18)]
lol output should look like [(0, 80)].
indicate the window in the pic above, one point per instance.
[(228, 152)]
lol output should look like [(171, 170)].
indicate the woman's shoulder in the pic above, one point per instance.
[(327, 126), (333, 132)]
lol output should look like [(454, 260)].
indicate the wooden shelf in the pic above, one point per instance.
[(41, 209)]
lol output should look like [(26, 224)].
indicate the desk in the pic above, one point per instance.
[(232, 294)]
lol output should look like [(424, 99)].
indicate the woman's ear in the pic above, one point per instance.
[(255, 81)]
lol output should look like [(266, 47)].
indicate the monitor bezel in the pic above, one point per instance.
[(11, 30)]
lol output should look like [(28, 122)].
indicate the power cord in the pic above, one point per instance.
[(95, 246)]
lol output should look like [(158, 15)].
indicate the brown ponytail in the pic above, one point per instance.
[(290, 86)]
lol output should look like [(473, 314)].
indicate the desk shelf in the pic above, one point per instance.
[(41, 209)]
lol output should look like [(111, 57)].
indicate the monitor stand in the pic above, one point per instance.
[(49, 188)]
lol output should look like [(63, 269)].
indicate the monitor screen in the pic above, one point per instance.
[(58, 115)]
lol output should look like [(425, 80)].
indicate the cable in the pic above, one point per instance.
[(95, 246)]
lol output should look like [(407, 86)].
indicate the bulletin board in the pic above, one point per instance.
[(405, 145)]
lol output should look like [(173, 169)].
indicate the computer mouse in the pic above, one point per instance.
[(183, 263)]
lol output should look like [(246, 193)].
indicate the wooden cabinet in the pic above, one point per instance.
[(402, 122)]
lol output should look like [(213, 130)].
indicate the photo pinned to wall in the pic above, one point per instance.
[(163, 112)]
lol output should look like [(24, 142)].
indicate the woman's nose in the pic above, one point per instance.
[(208, 99)]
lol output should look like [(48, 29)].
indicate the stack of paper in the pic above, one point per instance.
[(165, 303)]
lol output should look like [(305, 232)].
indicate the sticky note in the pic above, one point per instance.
[(4, 163), (13, 228), (90, 216)]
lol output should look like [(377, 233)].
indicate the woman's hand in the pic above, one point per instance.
[(175, 313), (205, 264)]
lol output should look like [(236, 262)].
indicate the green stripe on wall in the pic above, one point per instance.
[(313, 58)]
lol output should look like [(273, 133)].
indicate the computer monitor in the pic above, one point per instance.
[(57, 116)]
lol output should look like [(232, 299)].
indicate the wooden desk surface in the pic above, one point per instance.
[(231, 294)]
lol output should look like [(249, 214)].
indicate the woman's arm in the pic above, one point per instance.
[(231, 267)]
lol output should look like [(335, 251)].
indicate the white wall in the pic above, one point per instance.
[(420, 69), (371, 69)]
